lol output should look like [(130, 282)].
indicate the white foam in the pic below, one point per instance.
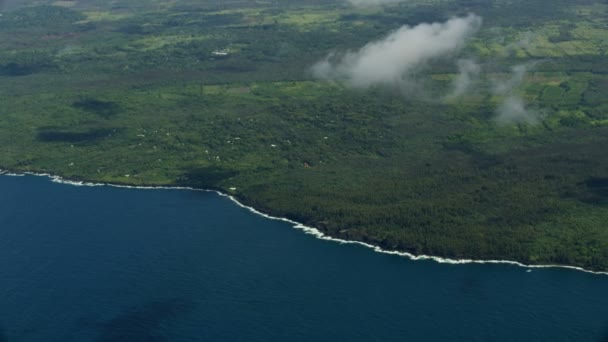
[(306, 229), (11, 174)]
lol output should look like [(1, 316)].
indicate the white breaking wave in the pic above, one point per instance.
[(11, 174), (306, 229)]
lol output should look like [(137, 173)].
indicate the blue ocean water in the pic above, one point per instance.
[(110, 264)]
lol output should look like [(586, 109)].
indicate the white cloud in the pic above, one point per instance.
[(513, 108), (526, 41), (468, 70), (389, 60), (517, 76)]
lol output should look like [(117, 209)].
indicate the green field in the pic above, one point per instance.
[(220, 94)]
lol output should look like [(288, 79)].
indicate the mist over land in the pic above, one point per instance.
[(468, 72), (513, 109)]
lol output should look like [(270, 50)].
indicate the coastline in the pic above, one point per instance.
[(297, 225)]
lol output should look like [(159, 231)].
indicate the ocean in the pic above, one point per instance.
[(103, 263)]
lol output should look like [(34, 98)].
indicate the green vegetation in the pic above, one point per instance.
[(219, 94)]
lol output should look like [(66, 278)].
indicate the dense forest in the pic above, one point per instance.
[(226, 95)]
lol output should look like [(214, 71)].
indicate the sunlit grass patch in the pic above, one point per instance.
[(310, 18), (581, 40), (309, 88), (553, 94), (93, 16), (65, 3), (157, 42), (591, 10)]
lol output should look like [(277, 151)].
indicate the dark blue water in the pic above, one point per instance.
[(108, 264)]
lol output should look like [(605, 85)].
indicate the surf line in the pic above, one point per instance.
[(297, 225)]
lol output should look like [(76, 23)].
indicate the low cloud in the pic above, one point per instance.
[(513, 108), (390, 60), (468, 71), (525, 42), (518, 73)]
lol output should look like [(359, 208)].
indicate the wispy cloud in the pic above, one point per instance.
[(513, 107), (468, 71), (517, 76), (513, 110), (526, 41), (390, 60)]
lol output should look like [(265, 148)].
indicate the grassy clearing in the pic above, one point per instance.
[(96, 16), (159, 42)]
